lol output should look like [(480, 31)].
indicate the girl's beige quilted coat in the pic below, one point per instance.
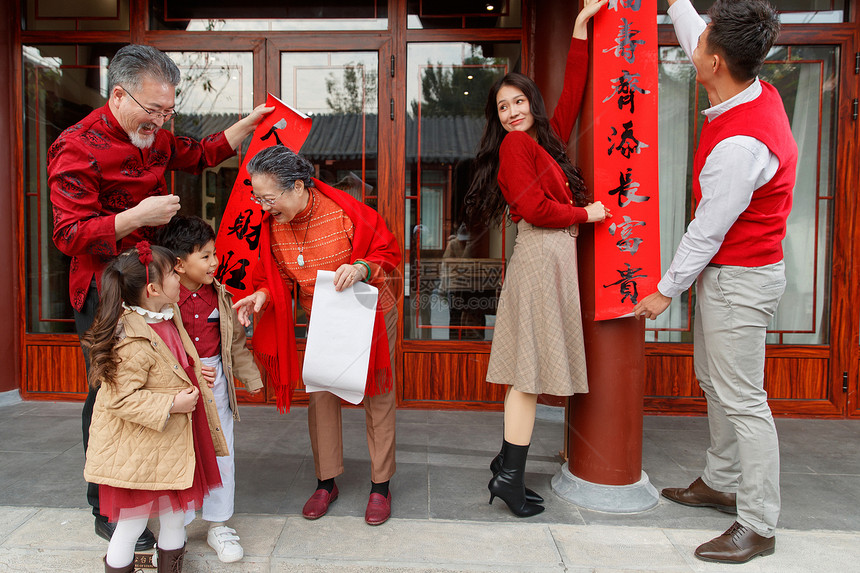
[(134, 443)]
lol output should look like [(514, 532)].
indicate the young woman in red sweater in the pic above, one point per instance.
[(521, 166)]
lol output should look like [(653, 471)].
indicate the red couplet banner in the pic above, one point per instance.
[(238, 238), (627, 246)]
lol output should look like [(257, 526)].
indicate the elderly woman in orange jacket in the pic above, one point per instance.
[(310, 226)]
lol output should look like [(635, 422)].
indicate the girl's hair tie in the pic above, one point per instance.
[(144, 254)]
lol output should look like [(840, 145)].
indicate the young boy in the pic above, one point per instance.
[(208, 316)]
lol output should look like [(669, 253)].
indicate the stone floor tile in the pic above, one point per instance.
[(11, 518), (20, 560), (419, 541), (57, 528), (631, 547)]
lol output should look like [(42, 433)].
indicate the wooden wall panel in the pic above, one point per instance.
[(448, 377), (797, 385), (55, 371), (670, 376), (785, 377), (797, 378)]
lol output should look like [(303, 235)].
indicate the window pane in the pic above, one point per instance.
[(78, 15), (427, 14), (790, 11), (339, 90), (62, 84), (215, 91), (230, 15), (806, 79), (453, 271)]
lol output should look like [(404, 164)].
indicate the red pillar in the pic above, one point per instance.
[(605, 429), (9, 191)]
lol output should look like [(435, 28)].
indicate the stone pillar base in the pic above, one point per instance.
[(10, 397), (632, 498)]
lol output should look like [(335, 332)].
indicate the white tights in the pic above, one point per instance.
[(171, 535)]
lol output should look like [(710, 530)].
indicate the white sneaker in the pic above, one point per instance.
[(225, 542)]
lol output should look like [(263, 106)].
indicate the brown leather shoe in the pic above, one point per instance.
[(738, 544), (378, 509), (700, 495), (317, 505)]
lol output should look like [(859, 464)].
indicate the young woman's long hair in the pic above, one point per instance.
[(123, 280), (484, 200)]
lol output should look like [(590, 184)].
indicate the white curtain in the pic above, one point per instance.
[(675, 150), (796, 309)]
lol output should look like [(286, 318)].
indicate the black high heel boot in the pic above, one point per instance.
[(496, 465), (508, 484)]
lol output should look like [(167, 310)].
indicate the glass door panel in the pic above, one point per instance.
[(339, 91), (453, 270), (216, 90), (62, 84)]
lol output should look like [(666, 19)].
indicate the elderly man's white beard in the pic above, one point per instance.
[(143, 141)]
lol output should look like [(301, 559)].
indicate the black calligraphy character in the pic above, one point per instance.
[(625, 87), (243, 229), (627, 189), (628, 286), (627, 244), (236, 269), (628, 144), (630, 245), (633, 5), (625, 42), (273, 131)]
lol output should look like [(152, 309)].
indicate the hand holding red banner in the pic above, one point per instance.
[(239, 234)]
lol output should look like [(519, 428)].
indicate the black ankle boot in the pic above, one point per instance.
[(508, 484), (496, 465)]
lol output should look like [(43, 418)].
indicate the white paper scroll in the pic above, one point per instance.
[(340, 334)]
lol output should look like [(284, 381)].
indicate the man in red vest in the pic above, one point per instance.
[(743, 177)]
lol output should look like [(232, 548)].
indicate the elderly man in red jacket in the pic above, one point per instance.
[(743, 177), (106, 177)]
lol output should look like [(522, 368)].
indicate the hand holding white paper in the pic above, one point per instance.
[(340, 334)]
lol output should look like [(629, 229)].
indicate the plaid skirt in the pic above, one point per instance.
[(537, 342)]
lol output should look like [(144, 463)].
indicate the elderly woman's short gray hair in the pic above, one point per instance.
[(283, 165), (134, 62)]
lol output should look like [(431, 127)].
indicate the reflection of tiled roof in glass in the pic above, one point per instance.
[(340, 136)]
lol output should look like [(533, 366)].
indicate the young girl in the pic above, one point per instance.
[(521, 165), (152, 442)]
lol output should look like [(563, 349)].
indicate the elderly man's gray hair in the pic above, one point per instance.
[(134, 62)]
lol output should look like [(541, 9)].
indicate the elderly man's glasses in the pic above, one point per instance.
[(167, 116), (266, 202)]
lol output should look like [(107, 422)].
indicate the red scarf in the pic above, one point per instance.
[(274, 334)]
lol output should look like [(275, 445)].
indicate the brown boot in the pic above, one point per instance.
[(170, 561), (700, 495), (127, 569)]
